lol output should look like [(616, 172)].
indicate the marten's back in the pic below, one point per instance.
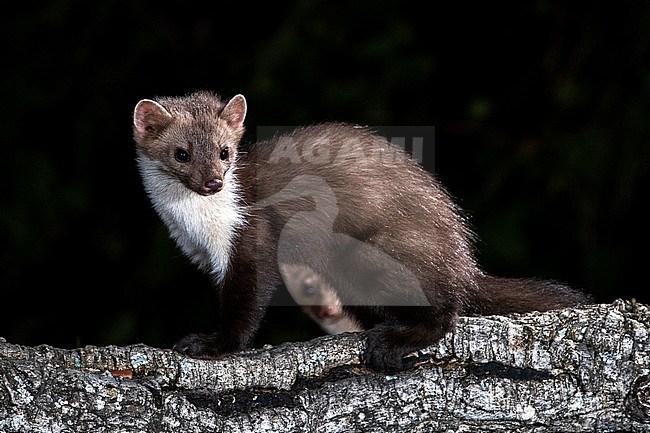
[(367, 189)]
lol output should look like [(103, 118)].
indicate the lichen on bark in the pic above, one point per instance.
[(573, 370)]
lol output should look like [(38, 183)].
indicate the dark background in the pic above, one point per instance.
[(541, 112)]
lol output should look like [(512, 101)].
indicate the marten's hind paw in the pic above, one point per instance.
[(380, 354)]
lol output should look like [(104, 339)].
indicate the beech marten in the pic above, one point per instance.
[(334, 197)]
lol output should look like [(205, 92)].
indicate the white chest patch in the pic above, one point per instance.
[(204, 227)]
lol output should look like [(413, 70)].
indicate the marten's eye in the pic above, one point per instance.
[(224, 154), (182, 155), (309, 291)]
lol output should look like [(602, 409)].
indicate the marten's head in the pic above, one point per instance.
[(193, 138)]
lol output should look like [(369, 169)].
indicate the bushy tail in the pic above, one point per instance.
[(513, 295)]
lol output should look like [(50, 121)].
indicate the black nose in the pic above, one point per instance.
[(213, 185)]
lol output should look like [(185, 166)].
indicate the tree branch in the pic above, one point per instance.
[(575, 370)]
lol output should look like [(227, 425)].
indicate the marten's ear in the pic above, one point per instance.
[(235, 111), (149, 117)]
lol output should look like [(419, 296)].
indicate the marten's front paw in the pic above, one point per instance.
[(202, 346)]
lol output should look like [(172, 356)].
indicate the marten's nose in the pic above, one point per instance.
[(213, 185)]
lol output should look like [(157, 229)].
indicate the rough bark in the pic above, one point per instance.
[(575, 370)]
